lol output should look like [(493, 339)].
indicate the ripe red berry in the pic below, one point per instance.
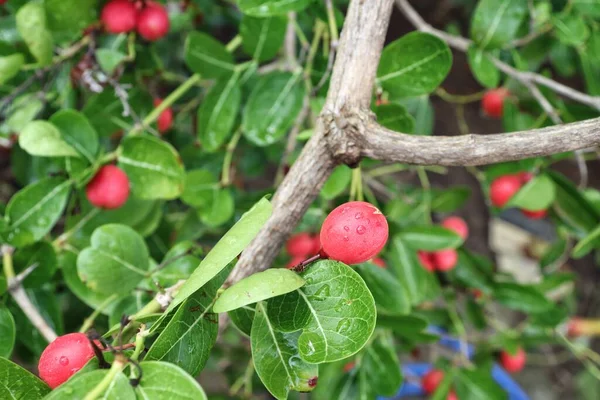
[(2, 2), (295, 261), (349, 366), (452, 395), (535, 214), (477, 293), (153, 21), (458, 225), (354, 232), (63, 357), (444, 260), (431, 380), (493, 102), (426, 260), (301, 245), (379, 262), (525, 176), (165, 119), (109, 188), (503, 188), (513, 362), (119, 16)]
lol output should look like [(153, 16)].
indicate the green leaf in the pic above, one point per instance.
[(395, 117), (421, 109), (571, 30), (537, 194), (272, 107), (260, 286), (80, 385), (268, 8), (478, 384), (31, 23), (33, 211), (153, 166), (390, 296), (199, 187), (524, 298), (41, 254), (495, 24), (116, 261), (587, 244), (342, 312), (220, 210), (10, 66), (19, 384), (178, 264), (226, 250), (41, 138), (413, 65), (70, 17), (157, 373), (483, 68), (207, 56), (405, 326), (189, 336), (571, 206), (430, 238), (7, 332), (277, 359), (381, 367), (289, 313), (218, 112), (109, 59), (242, 318), (451, 199), (338, 182), (469, 273), (77, 132), (589, 8), (262, 37)]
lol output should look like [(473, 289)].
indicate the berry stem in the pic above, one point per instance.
[(234, 44), (140, 340), (101, 387), (426, 191), (66, 235), (300, 267), (231, 146), (7, 262)]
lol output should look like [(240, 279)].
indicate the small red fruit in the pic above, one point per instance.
[(119, 16), (452, 395), (444, 260), (493, 102), (379, 262), (431, 380), (426, 260), (535, 214), (503, 188), (165, 119), (2, 2), (513, 362), (301, 245), (63, 357), (525, 176), (458, 225), (295, 261), (354, 232), (477, 293), (153, 21), (109, 188), (349, 366)]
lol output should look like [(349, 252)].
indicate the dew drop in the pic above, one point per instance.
[(358, 215), (343, 325), (340, 305), (294, 361), (346, 238), (323, 291), (64, 361), (361, 229), (346, 228)]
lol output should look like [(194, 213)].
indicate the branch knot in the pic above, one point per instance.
[(344, 134)]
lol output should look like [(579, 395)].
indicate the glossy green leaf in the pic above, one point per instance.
[(179, 263), (226, 250), (76, 130), (272, 107), (289, 313), (478, 384), (10, 66), (153, 166), (494, 24), (483, 68), (109, 59), (116, 261), (268, 8), (262, 37), (587, 244), (422, 111), (405, 326), (7, 332), (33, 211), (42, 255), (218, 112), (166, 381), (242, 319), (589, 8), (521, 297), (199, 187), (537, 194), (257, 287), (430, 238), (80, 385), (571, 29), (277, 358), (450, 199), (207, 56), (382, 368), (395, 117), (413, 65), (571, 206), (389, 294), (220, 209), (337, 182), (41, 138), (469, 273), (69, 18), (32, 26), (19, 384)]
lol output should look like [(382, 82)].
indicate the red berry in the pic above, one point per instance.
[(2, 2), (445, 260), (493, 102), (477, 293), (379, 262), (63, 357), (354, 232), (575, 327), (452, 395), (301, 245), (119, 16), (458, 225), (165, 119), (153, 22), (431, 380), (513, 362), (535, 214), (295, 261), (525, 176), (109, 188), (426, 260), (316, 244), (348, 367), (503, 188)]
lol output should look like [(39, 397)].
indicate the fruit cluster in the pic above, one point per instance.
[(446, 259), (148, 18)]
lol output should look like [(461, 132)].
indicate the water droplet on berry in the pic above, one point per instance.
[(358, 215), (346, 228), (346, 238), (64, 361), (361, 229), (345, 209)]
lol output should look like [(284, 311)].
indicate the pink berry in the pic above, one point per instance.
[(513, 362), (109, 188), (445, 260), (493, 102), (431, 380), (426, 260), (379, 262), (63, 357), (452, 395), (525, 176), (295, 261), (301, 245), (165, 119), (535, 214), (503, 188), (119, 16), (153, 22), (458, 225), (354, 232)]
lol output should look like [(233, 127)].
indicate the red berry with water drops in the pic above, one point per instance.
[(119, 16), (513, 362), (354, 232), (445, 260), (458, 225), (535, 214), (301, 245), (503, 189), (431, 380), (153, 21), (109, 189), (63, 357), (426, 260), (493, 102), (379, 262)]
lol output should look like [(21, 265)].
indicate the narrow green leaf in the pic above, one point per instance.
[(207, 56), (10, 66), (80, 385), (268, 8), (571, 29), (31, 24), (242, 318), (382, 368), (587, 244), (42, 255), (450, 199), (478, 384), (164, 381), (41, 138), (430, 238), (571, 206), (77, 131), (495, 24), (521, 297), (19, 384), (262, 37), (389, 294), (483, 68), (537, 194), (7, 332)]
